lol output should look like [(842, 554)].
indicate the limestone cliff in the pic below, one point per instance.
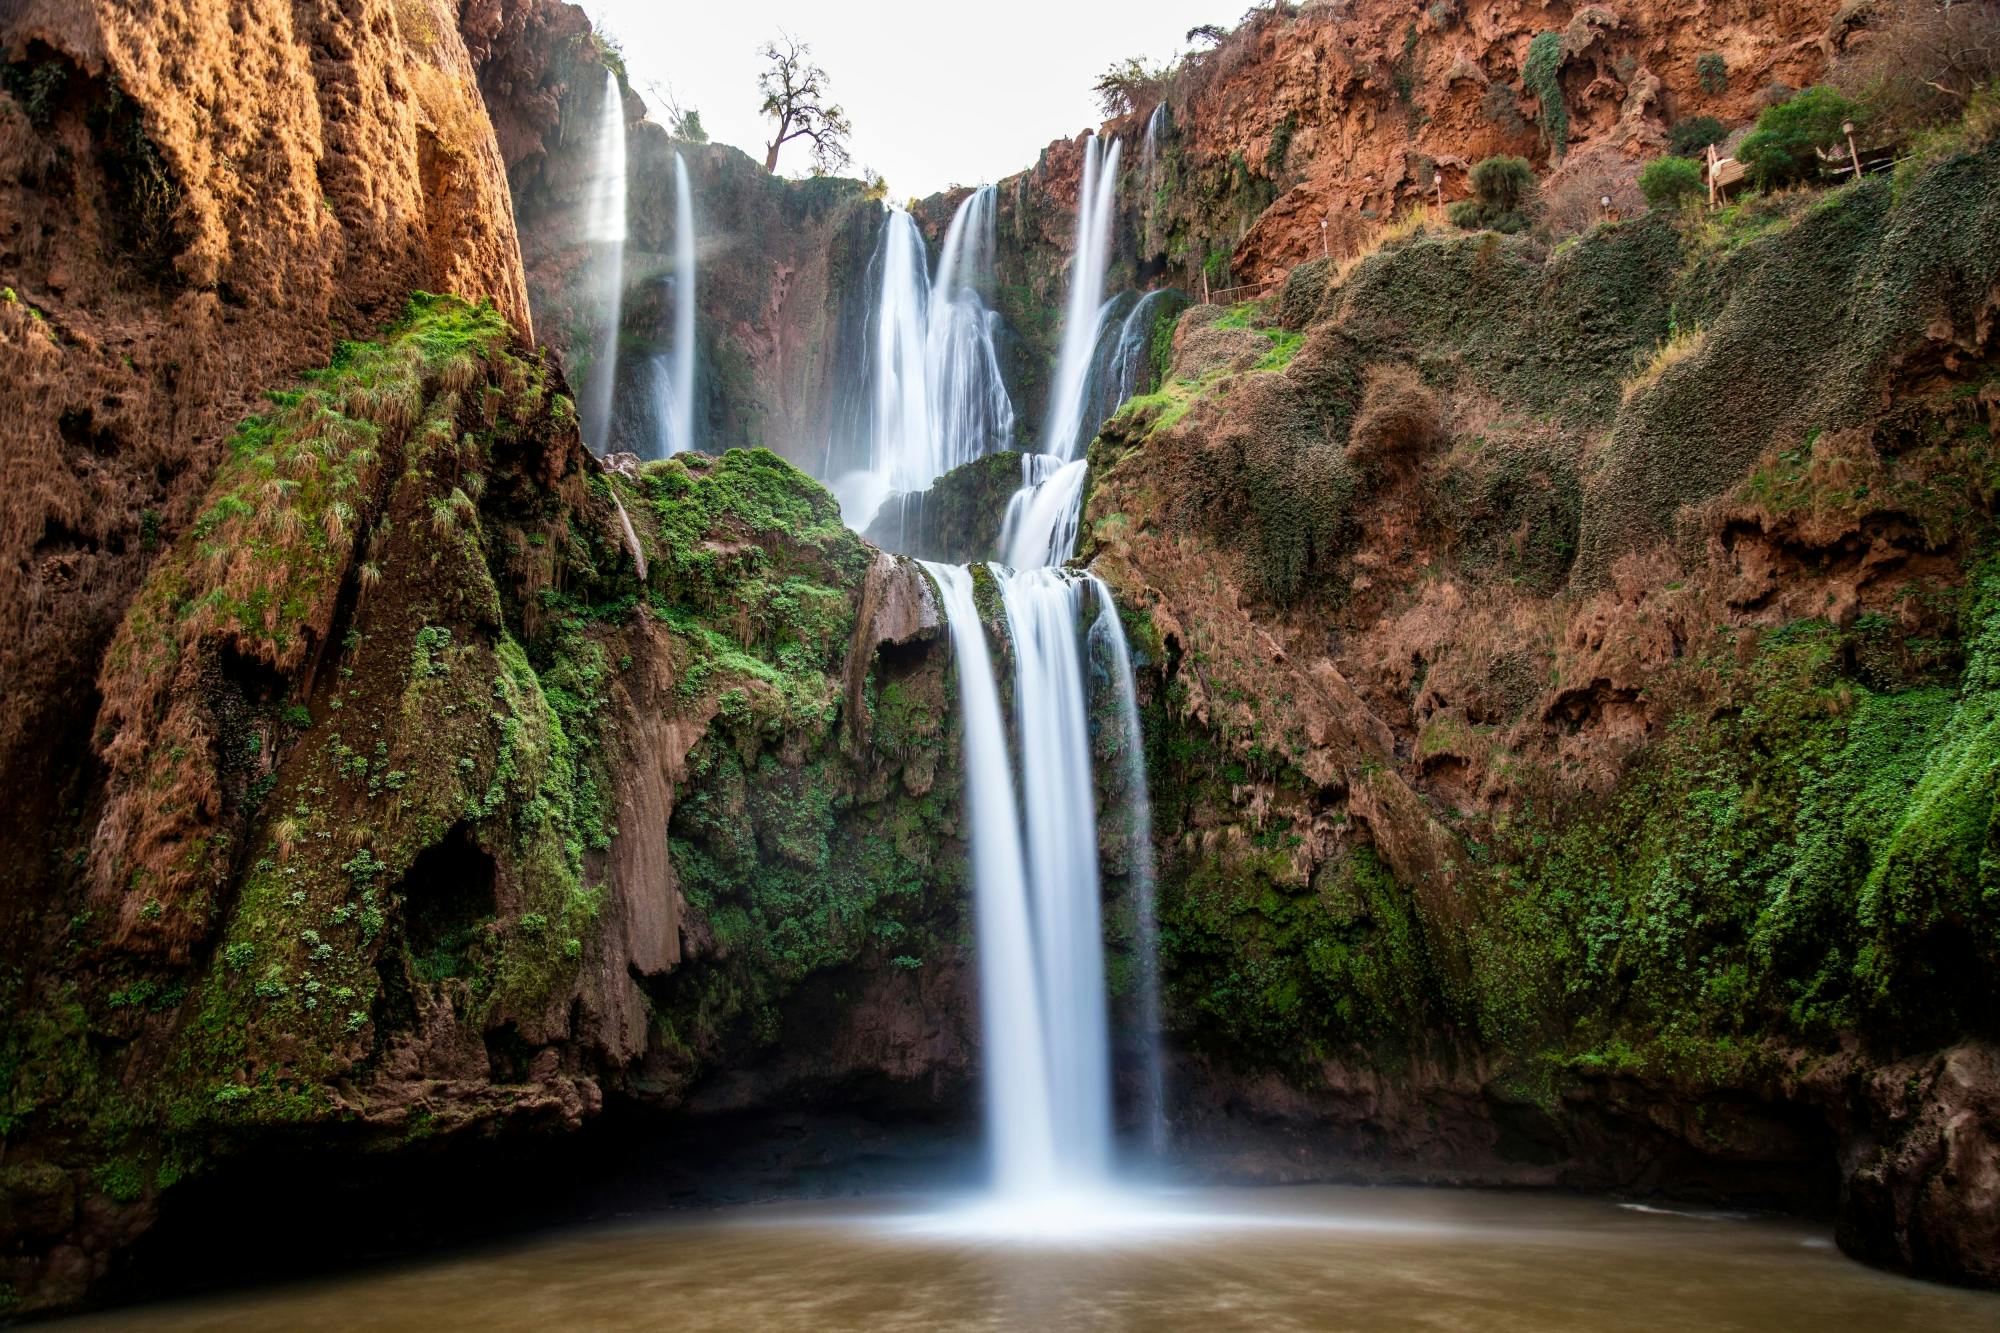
[(196, 202), (776, 259), (1570, 723)]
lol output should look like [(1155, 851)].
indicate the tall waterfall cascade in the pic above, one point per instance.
[(676, 370), (1038, 910), (935, 398), (1043, 520), (604, 231)]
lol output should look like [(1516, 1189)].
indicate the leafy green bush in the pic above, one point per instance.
[(1668, 182), (1502, 189), (1691, 137), (1711, 71), (1780, 151)]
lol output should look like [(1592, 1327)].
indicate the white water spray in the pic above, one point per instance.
[(936, 396), (604, 230)]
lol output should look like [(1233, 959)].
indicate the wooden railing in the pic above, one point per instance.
[(1232, 295)]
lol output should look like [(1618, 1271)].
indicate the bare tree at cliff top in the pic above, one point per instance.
[(795, 92)]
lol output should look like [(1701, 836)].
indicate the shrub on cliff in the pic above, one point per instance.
[(1131, 85), (1669, 182), (1922, 64), (1691, 137), (1782, 149), (1502, 189), (1571, 200)]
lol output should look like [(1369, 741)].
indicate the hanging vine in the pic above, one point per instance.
[(1543, 75)]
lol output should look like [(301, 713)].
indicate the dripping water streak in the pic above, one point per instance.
[(631, 537)]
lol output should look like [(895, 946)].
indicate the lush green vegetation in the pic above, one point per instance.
[(1502, 191), (1542, 73), (1784, 148), (1670, 182)]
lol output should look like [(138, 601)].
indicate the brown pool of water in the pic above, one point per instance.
[(1266, 1259)]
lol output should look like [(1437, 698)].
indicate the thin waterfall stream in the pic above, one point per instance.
[(676, 389), (1043, 518), (604, 231)]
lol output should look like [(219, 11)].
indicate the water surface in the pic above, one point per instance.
[(1269, 1259)]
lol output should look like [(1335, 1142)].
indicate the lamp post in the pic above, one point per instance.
[(1325, 250), (1437, 182), (1853, 155), (1604, 203)]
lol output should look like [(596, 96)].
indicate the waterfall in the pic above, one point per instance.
[(1130, 370), (1039, 917), (1060, 816), (1107, 637), (1149, 164), (970, 412), (676, 390), (1043, 518), (1020, 1130), (1044, 515), (604, 232), (1094, 201), (936, 399)]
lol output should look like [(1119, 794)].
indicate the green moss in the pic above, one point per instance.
[(1542, 73)]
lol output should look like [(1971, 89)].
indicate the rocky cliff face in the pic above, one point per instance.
[(390, 772), (195, 210), (455, 784), (776, 259), (1566, 734), (1348, 112)]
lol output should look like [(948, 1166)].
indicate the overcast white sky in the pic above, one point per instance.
[(939, 93)]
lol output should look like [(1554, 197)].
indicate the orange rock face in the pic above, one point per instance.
[(196, 201), (1353, 109), (1347, 111)]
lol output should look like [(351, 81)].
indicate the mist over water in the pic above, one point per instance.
[(1304, 1258)]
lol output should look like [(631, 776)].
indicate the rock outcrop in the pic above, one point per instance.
[(1560, 732), (427, 815), (197, 205)]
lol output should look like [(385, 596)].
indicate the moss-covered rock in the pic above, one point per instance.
[(452, 781)]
